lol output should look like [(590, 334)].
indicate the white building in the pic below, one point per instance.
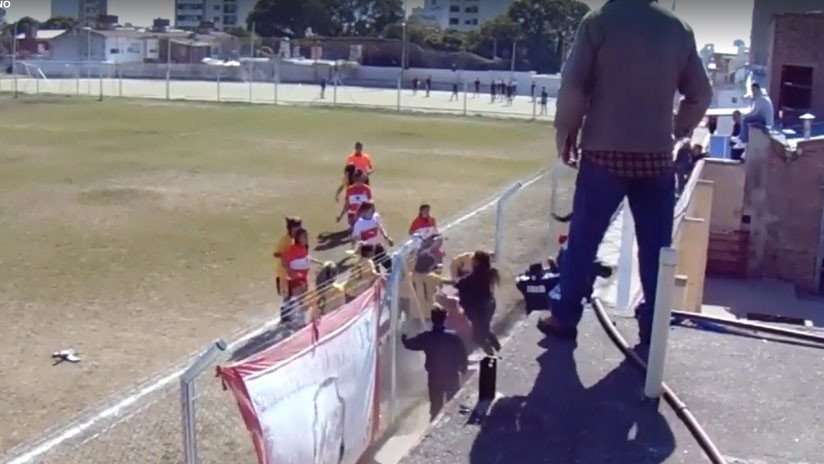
[(462, 15), (85, 11), (224, 14)]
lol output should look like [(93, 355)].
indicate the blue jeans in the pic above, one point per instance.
[(598, 194), (756, 120)]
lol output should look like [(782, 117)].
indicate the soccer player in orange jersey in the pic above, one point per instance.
[(356, 195), (362, 162)]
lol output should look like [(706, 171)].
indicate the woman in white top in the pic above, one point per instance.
[(369, 230)]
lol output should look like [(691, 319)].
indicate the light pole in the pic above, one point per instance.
[(515, 46)]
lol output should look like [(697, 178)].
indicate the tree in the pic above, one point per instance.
[(60, 22), (239, 32), (23, 25), (546, 22), (325, 17), (282, 18)]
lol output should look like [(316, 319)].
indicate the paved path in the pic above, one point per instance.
[(261, 92)]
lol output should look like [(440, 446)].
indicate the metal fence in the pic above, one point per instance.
[(187, 416), (263, 83)]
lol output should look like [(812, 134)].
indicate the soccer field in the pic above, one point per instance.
[(136, 232)]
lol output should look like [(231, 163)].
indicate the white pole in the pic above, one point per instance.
[(335, 86), (249, 67), (277, 77), (514, 50), (464, 102), (88, 61), (252, 63), (667, 262), (14, 59), (625, 254), (218, 86), (253, 41), (403, 61), (168, 64)]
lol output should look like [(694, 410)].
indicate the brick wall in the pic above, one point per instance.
[(793, 206), (796, 40)]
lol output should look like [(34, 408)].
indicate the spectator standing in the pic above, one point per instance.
[(428, 85), (492, 90), (544, 101), (446, 360), (476, 293), (415, 84), (629, 57), (532, 91), (477, 87), (323, 88), (454, 96)]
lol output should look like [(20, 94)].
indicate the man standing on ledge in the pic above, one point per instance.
[(627, 61)]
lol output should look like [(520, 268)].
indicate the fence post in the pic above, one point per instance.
[(36, 84), (398, 268), (400, 85), (534, 108), (464, 102), (168, 77), (499, 219), (667, 263), (250, 71), (119, 82), (187, 398), (218, 86), (100, 79), (625, 254), (276, 77), (77, 89)]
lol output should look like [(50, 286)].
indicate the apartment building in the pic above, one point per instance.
[(224, 14), (462, 15), (85, 11)]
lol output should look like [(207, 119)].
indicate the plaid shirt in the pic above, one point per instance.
[(633, 165)]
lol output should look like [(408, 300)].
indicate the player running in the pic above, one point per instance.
[(369, 230), (356, 195), (281, 277), (361, 162)]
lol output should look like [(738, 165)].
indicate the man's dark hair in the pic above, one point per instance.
[(756, 85), (438, 316)]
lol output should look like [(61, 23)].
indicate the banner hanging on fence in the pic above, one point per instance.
[(313, 398)]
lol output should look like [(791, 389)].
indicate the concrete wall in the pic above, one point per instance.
[(71, 46), (728, 194), (784, 198), (797, 41), (763, 11)]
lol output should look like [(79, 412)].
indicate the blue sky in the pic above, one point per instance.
[(715, 21)]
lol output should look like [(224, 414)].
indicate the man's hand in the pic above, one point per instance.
[(568, 148), (390, 242)]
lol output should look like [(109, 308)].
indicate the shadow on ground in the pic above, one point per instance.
[(331, 240), (561, 421)]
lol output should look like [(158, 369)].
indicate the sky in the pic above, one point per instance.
[(720, 22)]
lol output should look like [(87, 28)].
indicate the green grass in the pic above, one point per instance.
[(135, 231)]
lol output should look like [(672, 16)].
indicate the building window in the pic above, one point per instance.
[(216, 19), (134, 47), (230, 20), (230, 8), (114, 51), (471, 22), (454, 21), (454, 9), (471, 9), (216, 8)]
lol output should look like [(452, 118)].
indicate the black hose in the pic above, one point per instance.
[(754, 326), (670, 397)]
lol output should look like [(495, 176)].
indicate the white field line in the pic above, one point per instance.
[(77, 428)]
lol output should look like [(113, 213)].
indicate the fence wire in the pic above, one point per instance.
[(267, 83), (151, 430)]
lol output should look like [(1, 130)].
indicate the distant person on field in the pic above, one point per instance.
[(493, 90), (532, 91), (415, 84), (323, 88), (544, 101), (477, 87), (624, 53), (761, 115), (361, 162), (293, 224), (428, 85), (446, 360), (454, 96)]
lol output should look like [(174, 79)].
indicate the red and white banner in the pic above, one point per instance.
[(313, 398)]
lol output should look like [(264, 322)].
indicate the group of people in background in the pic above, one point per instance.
[(499, 91)]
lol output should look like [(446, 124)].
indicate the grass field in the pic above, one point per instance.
[(136, 232)]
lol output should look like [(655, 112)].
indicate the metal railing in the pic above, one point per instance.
[(260, 83), (187, 416)]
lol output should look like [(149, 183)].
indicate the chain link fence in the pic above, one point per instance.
[(276, 82), (170, 421)]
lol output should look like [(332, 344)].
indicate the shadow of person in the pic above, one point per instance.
[(561, 421), (330, 240)]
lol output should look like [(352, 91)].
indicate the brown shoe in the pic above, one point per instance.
[(552, 328)]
